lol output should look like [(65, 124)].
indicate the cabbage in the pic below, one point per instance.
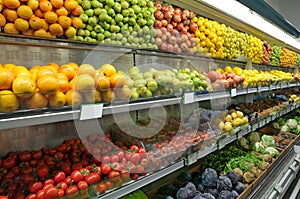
[(225, 194), (259, 147), (209, 177), (233, 176), (268, 140), (212, 191), (272, 151), (242, 142), (224, 183), (234, 194), (207, 196), (239, 187), (254, 137)]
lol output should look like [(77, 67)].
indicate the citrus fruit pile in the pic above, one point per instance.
[(47, 18)]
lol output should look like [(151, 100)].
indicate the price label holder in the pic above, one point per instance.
[(268, 120), (236, 129), (278, 86), (242, 133), (194, 157), (251, 90), (221, 144), (254, 127), (262, 123), (188, 98), (272, 87), (233, 92), (90, 111), (259, 89)]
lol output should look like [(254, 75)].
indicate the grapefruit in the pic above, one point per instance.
[(37, 100), (8, 101)]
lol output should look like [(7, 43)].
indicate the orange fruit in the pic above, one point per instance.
[(70, 4), (98, 97), (67, 70), (84, 82), (56, 29), (57, 100), (34, 69), (39, 13), (2, 20), (12, 4), (89, 96), (57, 3), (47, 84), (24, 12), (23, 86), (49, 35), (77, 22), (61, 11), (64, 21), (73, 98), (8, 101), (124, 93), (101, 82), (28, 32), (20, 71), (9, 66), (45, 6), (74, 66), (6, 79), (116, 80), (50, 17), (77, 11), (108, 70), (45, 71), (108, 95), (40, 33), (70, 32), (11, 29), (54, 65), (35, 23), (63, 85), (86, 69), (10, 14), (21, 24), (45, 24), (33, 4), (62, 76), (37, 100)]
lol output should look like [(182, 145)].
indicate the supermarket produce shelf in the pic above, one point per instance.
[(143, 181)]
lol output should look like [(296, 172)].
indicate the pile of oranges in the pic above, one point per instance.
[(41, 18), (56, 86)]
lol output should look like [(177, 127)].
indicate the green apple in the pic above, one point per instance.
[(142, 3), (139, 16), (114, 28), (86, 4), (124, 41), (130, 28), (152, 86), (150, 4), (130, 38), (89, 27), (87, 33), (119, 18), (110, 3), (96, 4), (103, 16), (120, 23), (111, 12), (108, 19), (125, 20), (192, 75), (119, 36), (88, 39), (134, 2), (93, 21), (141, 22), (80, 38), (131, 21), (89, 12), (108, 41), (136, 8), (80, 32), (117, 7), (196, 82), (147, 14), (150, 22), (97, 11), (140, 32), (152, 9), (100, 37), (125, 13), (106, 26), (136, 26), (84, 17), (107, 34), (124, 4), (136, 40), (131, 12), (93, 34), (124, 28), (113, 21)]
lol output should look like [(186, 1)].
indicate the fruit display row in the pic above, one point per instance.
[(55, 18)]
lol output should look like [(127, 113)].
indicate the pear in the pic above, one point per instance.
[(152, 85), (137, 76), (180, 76), (134, 95), (134, 69), (139, 83), (142, 91), (147, 74)]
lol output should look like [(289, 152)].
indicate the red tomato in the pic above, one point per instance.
[(2, 191), (135, 158), (50, 161), (31, 196), (114, 176), (49, 181), (25, 156), (142, 152), (47, 186), (3, 197), (9, 162), (9, 174), (12, 187), (40, 194), (6, 182), (13, 154), (59, 176), (51, 151), (66, 168), (36, 155), (125, 175), (134, 148), (105, 159), (18, 195), (105, 169), (144, 163), (27, 170), (72, 191), (121, 155), (60, 193), (62, 148), (119, 182), (62, 185), (26, 178), (68, 180), (42, 171), (109, 185), (58, 156), (50, 193), (34, 187), (82, 185), (77, 166), (4, 171), (33, 163), (116, 166), (93, 178), (114, 158), (84, 162), (101, 188), (95, 169), (76, 176)]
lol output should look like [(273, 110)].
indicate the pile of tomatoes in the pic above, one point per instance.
[(74, 168)]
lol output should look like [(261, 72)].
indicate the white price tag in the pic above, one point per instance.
[(272, 87), (192, 158), (254, 126), (268, 120), (91, 111), (262, 123), (236, 129), (233, 92), (259, 89), (188, 98), (222, 144)]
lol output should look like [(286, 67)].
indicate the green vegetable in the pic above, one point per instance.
[(245, 163), (254, 137), (268, 141), (272, 151), (259, 147), (291, 123)]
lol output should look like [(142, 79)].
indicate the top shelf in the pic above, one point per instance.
[(46, 116)]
